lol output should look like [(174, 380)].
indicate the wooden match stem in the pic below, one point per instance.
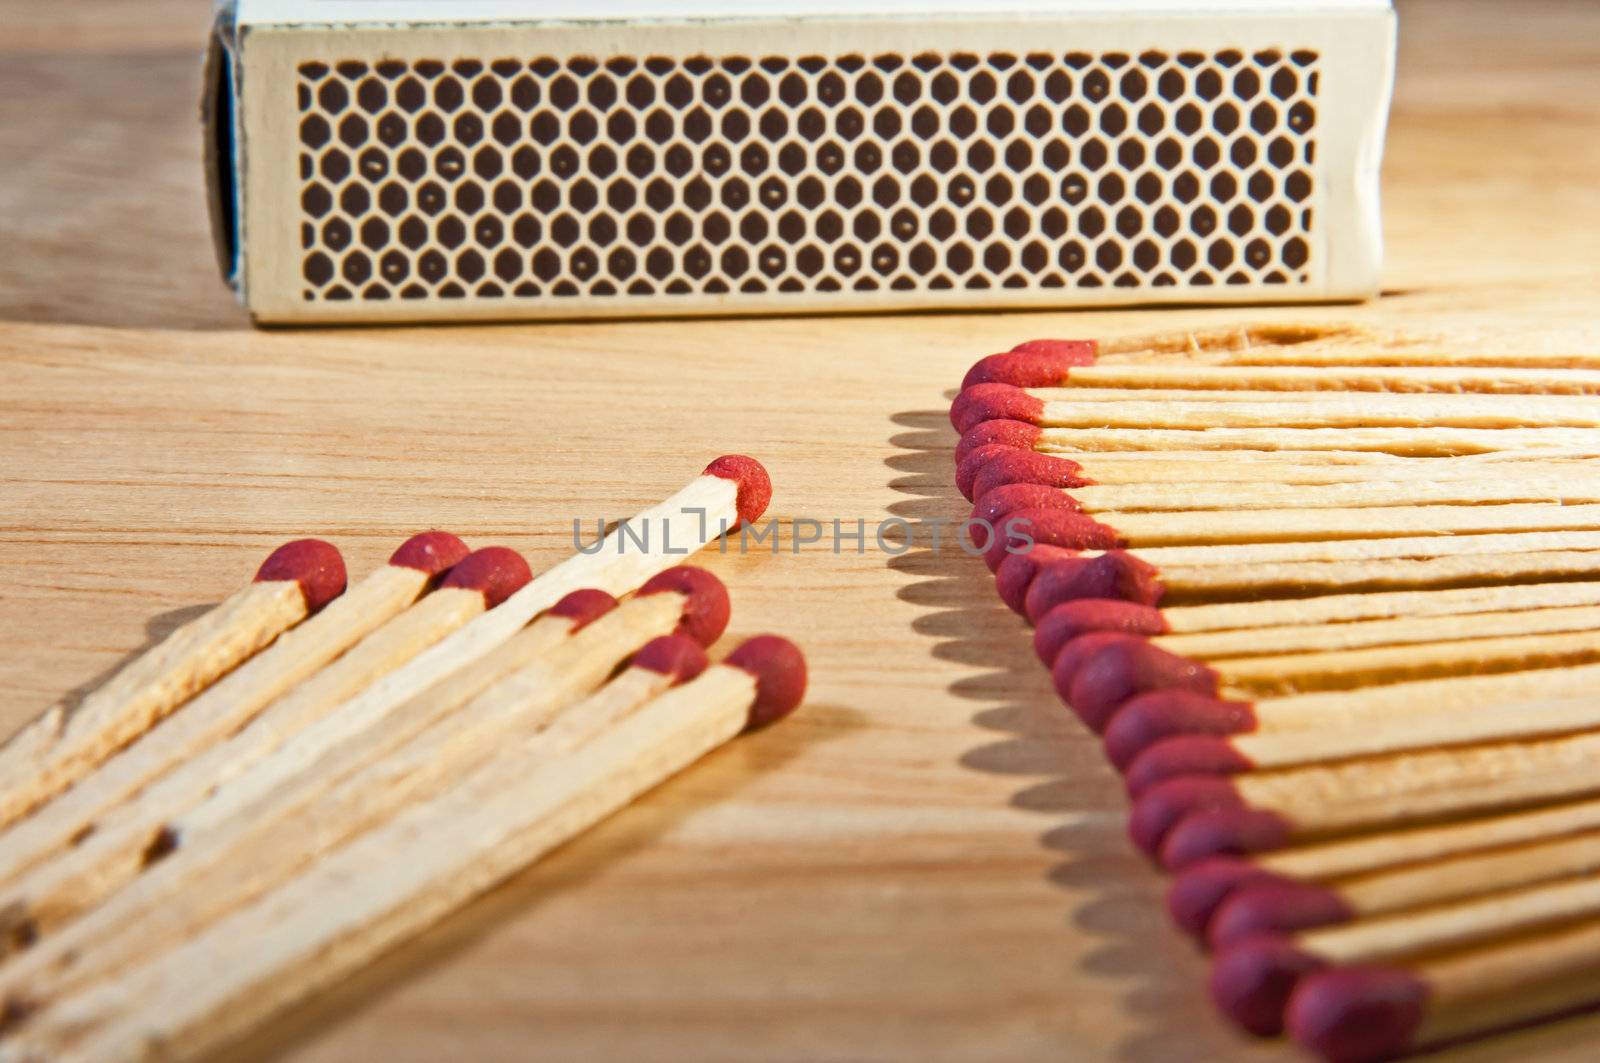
[(1413, 846), (1404, 442), (1380, 791), (231, 703), (1474, 468), (1330, 410), (1214, 348), (436, 855), (1412, 546), (63, 745), (1471, 875), (1202, 581), (1343, 608), (1294, 525), (1509, 983), (535, 711), (1460, 709), (111, 852), (1290, 378), (1583, 485), (1399, 631), (1455, 924)]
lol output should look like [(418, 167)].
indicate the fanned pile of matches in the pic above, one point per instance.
[(1334, 608), (307, 774)]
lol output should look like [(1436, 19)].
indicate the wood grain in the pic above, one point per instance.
[(928, 862)]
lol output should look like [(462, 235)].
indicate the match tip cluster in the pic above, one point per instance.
[(706, 607), (314, 564), (779, 669), (1164, 723), (497, 572), (755, 486), (431, 552)]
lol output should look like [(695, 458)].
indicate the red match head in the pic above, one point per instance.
[(678, 656), (993, 402), (1357, 1014), (706, 607), (1034, 364), (1200, 891), (972, 463), (1148, 758), (1113, 574), (1222, 832), (755, 486), (496, 571), (584, 607), (1162, 807), (1053, 527), (1024, 467), (1000, 502), (431, 552), (1065, 669), (1070, 619), (1018, 435), (1252, 983), (780, 671), (1278, 908), (1015, 574), (313, 564), (1128, 666)]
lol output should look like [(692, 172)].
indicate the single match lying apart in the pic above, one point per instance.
[(1333, 609), (445, 722)]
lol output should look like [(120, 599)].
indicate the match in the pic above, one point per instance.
[(1279, 379), (66, 743), (1103, 675), (1059, 408), (1368, 1013), (104, 851), (1185, 820), (1201, 890), (334, 782), (200, 991), (1331, 621), (1252, 980)]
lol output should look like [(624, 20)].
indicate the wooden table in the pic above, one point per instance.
[(928, 862)]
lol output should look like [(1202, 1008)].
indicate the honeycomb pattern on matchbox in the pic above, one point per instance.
[(660, 177)]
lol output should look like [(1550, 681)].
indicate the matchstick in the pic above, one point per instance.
[(1202, 889), (348, 773), (1050, 408), (1536, 380), (65, 744), (1288, 906), (1331, 621), (1100, 675), (1119, 574), (1185, 820), (60, 964), (435, 855), (114, 845), (1367, 1013)]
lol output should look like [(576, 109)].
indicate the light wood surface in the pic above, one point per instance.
[(928, 862)]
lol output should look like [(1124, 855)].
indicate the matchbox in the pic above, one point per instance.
[(378, 160)]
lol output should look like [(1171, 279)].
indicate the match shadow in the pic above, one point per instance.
[(1058, 764), (156, 630), (569, 867)]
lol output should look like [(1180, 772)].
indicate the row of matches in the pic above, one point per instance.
[(310, 773), (1334, 611)]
